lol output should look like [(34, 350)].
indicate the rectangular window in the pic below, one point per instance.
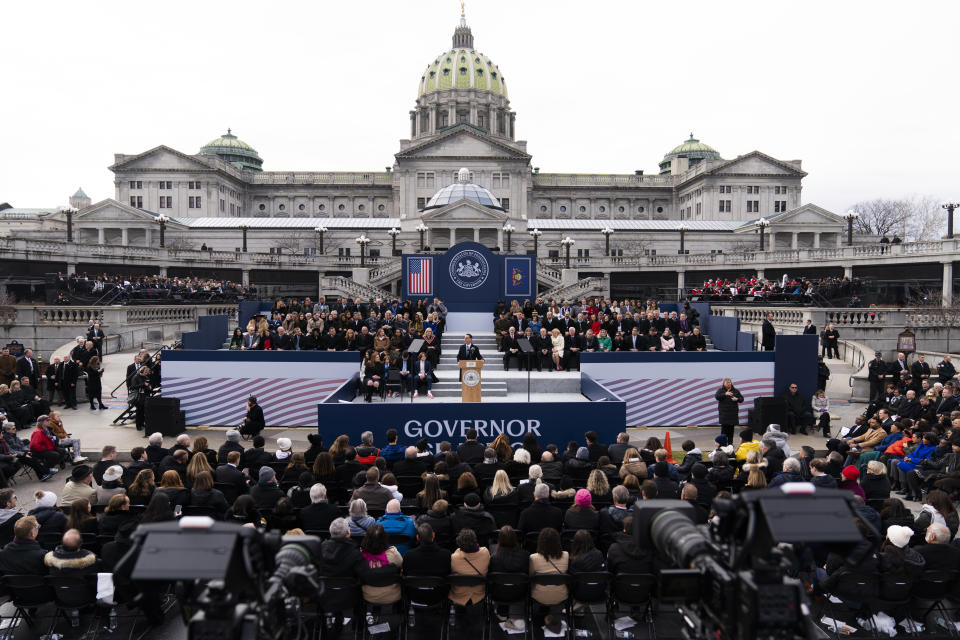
[(166, 184), (501, 180), (426, 179), (343, 252), (505, 203), (166, 202), (421, 203), (783, 205), (223, 204), (724, 206), (232, 209), (698, 209), (583, 253), (136, 201), (194, 185)]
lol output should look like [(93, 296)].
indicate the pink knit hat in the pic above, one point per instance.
[(583, 498)]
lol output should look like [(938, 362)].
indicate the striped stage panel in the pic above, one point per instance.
[(290, 402), (681, 401)]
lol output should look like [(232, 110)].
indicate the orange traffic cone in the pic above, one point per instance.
[(666, 445)]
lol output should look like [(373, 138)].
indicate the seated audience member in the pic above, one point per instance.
[(427, 558), (473, 516), (319, 514), (116, 515), (266, 492), (397, 524), (138, 462), (81, 518), (754, 470), (142, 488), (340, 558), (790, 473), (23, 555), (747, 444), (367, 454), (721, 445), (611, 518), (469, 559), (108, 456), (937, 509), (875, 483), (112, 484), (819, 475), (283, 517), (374, 494), (582, 514), (598, 486), (534, 477), (540, 513), (232, 444), (255, 457), (706, 490), (79, 486), (510, 556), (689, 494), (69, 558), (618, 450), (577, 468), (937, 550), (229, 474), (154, 450), (551, 468), (46, 513), (898, 562), (380, 557), (172, 486), (440, 521), (773, 456), (359, 521), (625, 555), (691, 457), (667, 488), (584, 555), (203, 494), (550, 558), (501, 492)]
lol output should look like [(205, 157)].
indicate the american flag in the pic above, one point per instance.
[(420, 276)]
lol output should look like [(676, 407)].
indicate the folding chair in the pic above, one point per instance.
[(394, 381), (26, 593), (70, 595), (505, 589)]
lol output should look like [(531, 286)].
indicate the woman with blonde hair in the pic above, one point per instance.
[(633, 464), (381, 342), (197, 464), (667, 343), (755, 467), (598, 485), (432, 346), (501, 492), (556, 342)]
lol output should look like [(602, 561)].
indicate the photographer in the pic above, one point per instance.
[(253, 422)]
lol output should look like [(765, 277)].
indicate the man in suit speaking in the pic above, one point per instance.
[(468, 351)]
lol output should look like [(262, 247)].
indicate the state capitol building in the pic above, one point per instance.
[(220, 200)]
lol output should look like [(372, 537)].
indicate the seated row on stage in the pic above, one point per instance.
[(558, 351)]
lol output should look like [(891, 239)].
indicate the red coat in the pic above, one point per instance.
[(40, 441)]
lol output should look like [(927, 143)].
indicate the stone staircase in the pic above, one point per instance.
[(448, 371)]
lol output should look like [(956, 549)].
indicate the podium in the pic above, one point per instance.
[(470, 383)]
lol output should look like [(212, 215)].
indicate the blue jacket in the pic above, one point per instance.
[(889, 440), (397, 523), (922, 452), (392, 453)]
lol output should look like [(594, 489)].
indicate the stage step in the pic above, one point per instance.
[(497, 388)]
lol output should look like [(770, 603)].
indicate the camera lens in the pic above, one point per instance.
[(675, 535)]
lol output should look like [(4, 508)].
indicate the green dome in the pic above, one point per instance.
[(462, 68), (692, 149), (235, 151)]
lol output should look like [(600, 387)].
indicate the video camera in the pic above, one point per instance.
[(735, 577), (236, 582)]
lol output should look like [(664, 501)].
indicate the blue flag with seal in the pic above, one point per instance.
[(518, 276)]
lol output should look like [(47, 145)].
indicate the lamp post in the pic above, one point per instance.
[(421, 228), (69, 211), (949, 207), (509, 229), (682, 228), (363, 241), (536, 233), (762, 224), (162, 220), (244, 228), (567, 243), (394, 232), (851, 216), (606, 231), (319, 231)]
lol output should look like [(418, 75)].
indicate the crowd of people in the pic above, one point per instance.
[(399, 509), (146, 289), (794, 290), (559, 332)]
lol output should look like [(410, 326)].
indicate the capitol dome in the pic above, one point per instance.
[(235, 151), (693, 150), (463, 190), (462, 67)]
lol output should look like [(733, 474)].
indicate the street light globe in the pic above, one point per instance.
[(852, 215), (320, 229), (394, 231), (568, 241), (362, 239), (421, 227), (682, 227), (606, 231), (763, 222), (162, 219), (535, 232), (950, 205), (509, 228)]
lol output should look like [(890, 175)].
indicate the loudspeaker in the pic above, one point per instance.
[(766, 411), (164, 415)]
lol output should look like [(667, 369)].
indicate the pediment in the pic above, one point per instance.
[(462, 142), (464, 211), (111, 210), (808, 214), (161, 158), (756, 163)]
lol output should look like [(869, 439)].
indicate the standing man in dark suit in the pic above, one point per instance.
[(810, 329), (69, 371), (920, 371), (27, 368), (510, 348), (468, 350), (52, 374), (96, 336), (768, 334), (876, 371)]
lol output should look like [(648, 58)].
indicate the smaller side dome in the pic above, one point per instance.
[(691, 149), (463, 189), (235, 151)]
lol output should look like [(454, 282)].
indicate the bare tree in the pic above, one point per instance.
[(913, 218), (180, 243), (291, 242)]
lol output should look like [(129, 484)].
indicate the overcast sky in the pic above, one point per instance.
[(865, 93)]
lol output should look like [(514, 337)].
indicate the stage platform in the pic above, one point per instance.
[(517, 396)]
